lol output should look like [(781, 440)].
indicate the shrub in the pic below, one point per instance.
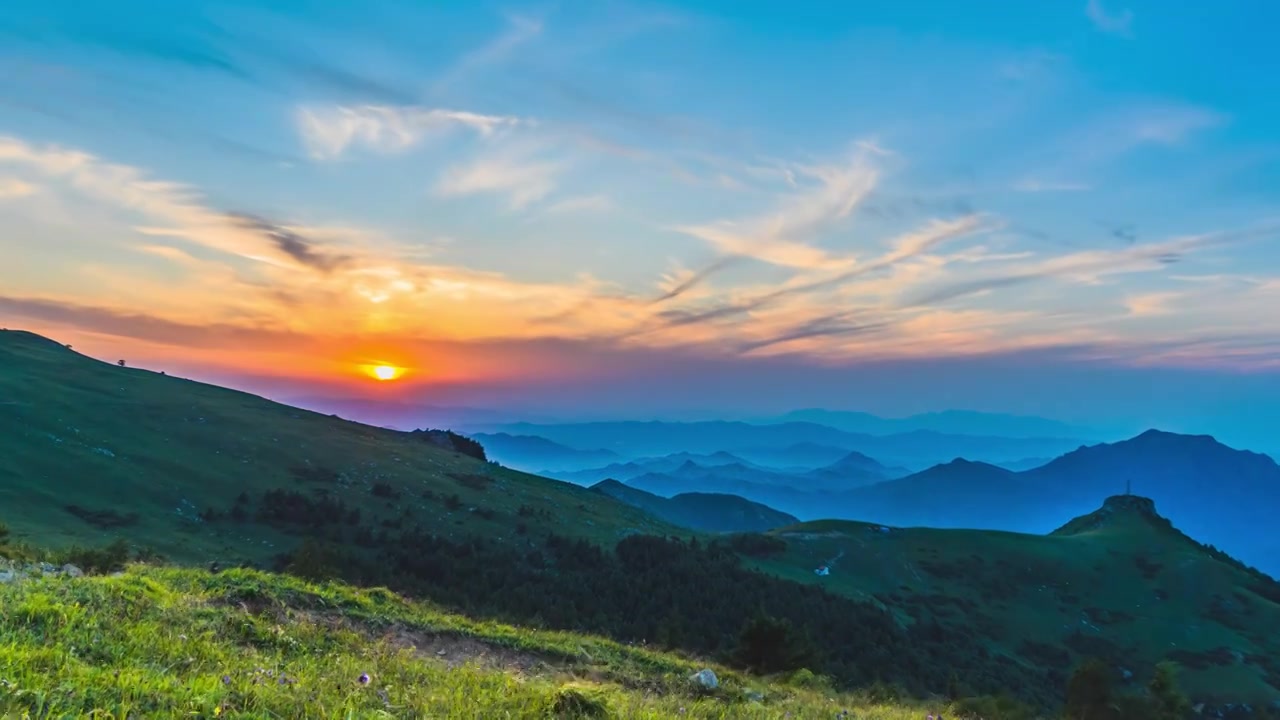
[(97, 560), (769, 645)]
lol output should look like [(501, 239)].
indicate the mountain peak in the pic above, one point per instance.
[(1130, 503), (1116, 510)]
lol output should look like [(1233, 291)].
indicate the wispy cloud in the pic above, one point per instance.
[(522, 179), (328, 132), (11, 188), (1088, 266), (785, 236), (519, 31), (290, 242), (1117, 23), (1149, 304)]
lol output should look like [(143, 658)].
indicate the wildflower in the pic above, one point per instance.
[(226, 679), (364, 678)]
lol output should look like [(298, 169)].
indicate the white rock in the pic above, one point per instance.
[(72, 571)]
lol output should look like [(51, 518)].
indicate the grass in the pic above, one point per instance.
[(93, 451), (170, 642), (1121, 583)]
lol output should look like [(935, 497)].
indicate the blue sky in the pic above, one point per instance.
[(513, 199)]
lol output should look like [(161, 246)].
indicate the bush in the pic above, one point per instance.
[(97, 560), (768, 645), (1089, 692), (1167, 701)]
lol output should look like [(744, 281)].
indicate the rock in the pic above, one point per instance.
[(705, 679), (1126, 674), (7, 576), (72, 571), (753, 696)]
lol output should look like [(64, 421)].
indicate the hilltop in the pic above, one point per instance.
[(1120, 583), (710, 512)]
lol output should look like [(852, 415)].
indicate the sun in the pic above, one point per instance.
[(385, 372)]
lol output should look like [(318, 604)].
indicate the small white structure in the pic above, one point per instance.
[(823, 571)]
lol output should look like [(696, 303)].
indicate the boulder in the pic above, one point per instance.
[(705, 679)]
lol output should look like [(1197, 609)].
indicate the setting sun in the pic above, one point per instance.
[(385, 372)]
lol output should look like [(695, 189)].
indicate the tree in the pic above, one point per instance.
[(1167, 700), (1089, 692), (769, 645)]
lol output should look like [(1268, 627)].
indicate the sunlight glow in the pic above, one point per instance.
[(384, 372)]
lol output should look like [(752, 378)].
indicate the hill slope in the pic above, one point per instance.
[(91, 450), (1120, 583), (187, 643), (709, 512)]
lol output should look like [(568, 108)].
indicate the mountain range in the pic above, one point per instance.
[(1228, 497), (915, 449)]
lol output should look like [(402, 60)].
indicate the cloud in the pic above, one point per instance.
[(11, 188), (522, 179), (519, 31), (1150, 304), (1088, 266), (1119, 23), (783, 237), (290, 242), (328, 132)]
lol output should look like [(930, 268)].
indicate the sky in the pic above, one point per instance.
[(1069, 208)]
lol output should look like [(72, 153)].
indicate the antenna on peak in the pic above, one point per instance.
[(1128, 486)]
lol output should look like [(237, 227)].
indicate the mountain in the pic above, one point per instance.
[(1218, 494), (851, 471), (709, 512), (800, 456), (90, 450), (917, 448), (627, 470), (1120, 582), (528, 452), (956, 422)]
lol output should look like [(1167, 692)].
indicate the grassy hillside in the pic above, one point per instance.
[(244, 644), (91, 450), (710, 512), (1121, 584)]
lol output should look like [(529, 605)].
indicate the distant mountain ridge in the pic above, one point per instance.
[(709, 512), (956, 422), (1224, 496), (916, 448)]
